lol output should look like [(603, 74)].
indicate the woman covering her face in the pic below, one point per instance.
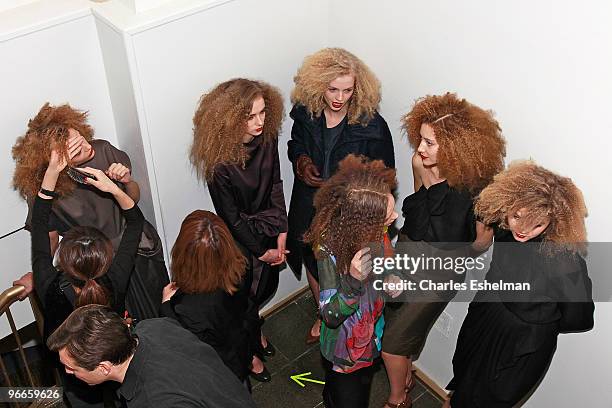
[(458, 149), (336, 98), (508, 338), (65, 129), (235, 150), (353, 209)]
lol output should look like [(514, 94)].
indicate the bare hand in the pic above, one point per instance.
[(271, 256), (308, 172), (27, 281), (57, 162), (119, 172), (103, 183), (169, 291), (281, 243), (393, 279), (361, 264)]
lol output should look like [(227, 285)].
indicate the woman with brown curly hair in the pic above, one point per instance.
[(458, 149), (206, 294), (65, 129), (88, 271), (353, 209), (508, 339), (235, 150), (336, 99)]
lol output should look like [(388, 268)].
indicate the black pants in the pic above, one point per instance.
[(350, 390)]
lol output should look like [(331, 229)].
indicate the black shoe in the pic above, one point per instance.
[(269, 350), (264, 376)]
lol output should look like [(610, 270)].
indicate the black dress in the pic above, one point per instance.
[(57, 295), (87, 206), (443, 216), (326, 147), (218, 319), (506, 343)]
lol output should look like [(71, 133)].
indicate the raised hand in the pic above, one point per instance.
[(119, 172), (361, 264), (308, 172)]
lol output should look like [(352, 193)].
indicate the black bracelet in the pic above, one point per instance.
[(49, 193)]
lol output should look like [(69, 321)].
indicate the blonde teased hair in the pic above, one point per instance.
[(322, 67)]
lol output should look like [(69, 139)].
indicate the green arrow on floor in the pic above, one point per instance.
[(298, 378)]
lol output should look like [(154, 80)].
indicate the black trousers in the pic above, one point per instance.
[(351, 390)]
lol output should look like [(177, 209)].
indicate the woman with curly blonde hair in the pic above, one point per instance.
[(235, 150), (508, 339), (458, 149), (353, 209), (65, 129), (335, 113)]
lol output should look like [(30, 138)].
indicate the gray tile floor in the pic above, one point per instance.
[(286, 329)]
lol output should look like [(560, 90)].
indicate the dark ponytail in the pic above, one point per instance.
[(92, 293), (84, 255)]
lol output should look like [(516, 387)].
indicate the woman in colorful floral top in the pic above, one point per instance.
[(353, 209)]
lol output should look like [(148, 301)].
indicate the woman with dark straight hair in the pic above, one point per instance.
[(88, 272), (206, 294)]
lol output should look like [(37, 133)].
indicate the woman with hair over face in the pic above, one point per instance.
[(205, 295), (458, 149), (65, 129), (508, 339), (353, 209), (235, 150), (335, 113), (89, 273)]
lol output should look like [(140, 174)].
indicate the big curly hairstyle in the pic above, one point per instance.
[(471, 147), (31, 152), (545, 195), (351, 207), (322, 67), (220, 123)]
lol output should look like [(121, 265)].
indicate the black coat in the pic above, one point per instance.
[(373, 141)]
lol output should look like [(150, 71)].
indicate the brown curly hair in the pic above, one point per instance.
[(472, 148), (351, 207), (322, 67), (545, 195), (219, 123), (31, 152)]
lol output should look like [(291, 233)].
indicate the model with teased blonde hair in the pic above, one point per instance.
[(508, 339), (65, 130), (458, 148), (235, 150), (353, 209), (335, 113)]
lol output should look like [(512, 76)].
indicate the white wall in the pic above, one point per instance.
[(544, 68), (57, 63)]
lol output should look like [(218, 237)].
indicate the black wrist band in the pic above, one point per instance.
[(49, 193)]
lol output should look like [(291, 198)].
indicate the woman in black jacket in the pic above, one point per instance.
[(508, 338), (335, 98), (89, 273), (235, 150), (207, 296)]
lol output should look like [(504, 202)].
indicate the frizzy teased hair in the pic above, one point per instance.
[(31, 152), (351, 208), (322, 67), (471, 147), (205, 257), (220, 123), (544, 194)]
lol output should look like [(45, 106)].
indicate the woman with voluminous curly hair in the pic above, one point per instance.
[(508, 338), (458, 149), (235, 150), (353, 209), (206, 294), (65, 129), (335, 114)]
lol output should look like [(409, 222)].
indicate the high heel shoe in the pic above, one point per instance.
[(264, 376), (269, 350)]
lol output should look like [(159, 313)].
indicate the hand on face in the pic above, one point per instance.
[(361, 264), (79, 149)]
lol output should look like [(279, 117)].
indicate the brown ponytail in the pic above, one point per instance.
[(84, 255)]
